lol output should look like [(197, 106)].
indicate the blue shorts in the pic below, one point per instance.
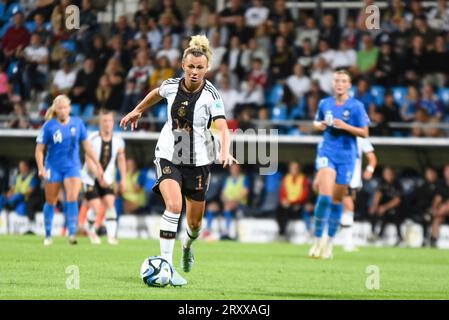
[(344, 170), (58, 175)]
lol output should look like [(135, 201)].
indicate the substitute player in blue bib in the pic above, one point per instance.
[(342, 119), (61, 135)]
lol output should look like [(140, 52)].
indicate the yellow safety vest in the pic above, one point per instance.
[(130, 194), (23, 183), (235, 188), (294, 189)]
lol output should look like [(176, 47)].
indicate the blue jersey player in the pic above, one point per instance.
[(342, 119), (61, 136)]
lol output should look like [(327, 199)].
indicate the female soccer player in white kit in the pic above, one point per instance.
[(109, 149), (186, 148)]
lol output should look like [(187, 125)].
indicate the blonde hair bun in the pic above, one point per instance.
[(198, 45)]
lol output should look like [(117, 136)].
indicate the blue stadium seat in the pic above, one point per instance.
[(12, 10), (2, 9), (13, 68), (274, 95), (299, 110), (76, 110), (31, 26), (88, 111), (69, 45), (379, 94), (5, 28), (352, 92), (279, 113), (399, 95), (443, 94), (161, 112), (48, 26)]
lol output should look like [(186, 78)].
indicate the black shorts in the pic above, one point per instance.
[(96, 191), (194, 181)]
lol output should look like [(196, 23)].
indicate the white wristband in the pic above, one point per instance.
[(370, 169)]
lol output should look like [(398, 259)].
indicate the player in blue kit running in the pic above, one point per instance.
[(342, 119), (61, 136)]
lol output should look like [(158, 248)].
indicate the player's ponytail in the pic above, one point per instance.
[(199, 46), (51, 111)]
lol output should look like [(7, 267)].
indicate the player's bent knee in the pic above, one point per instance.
[(195, 225), (174, 206)]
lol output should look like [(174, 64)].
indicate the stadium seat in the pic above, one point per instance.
[(352, 91), (88, 111), (76, 110), (12, 10), (299, 110), (443, 94), (279, 113), (69, 45), (5, 28), (379, 93), (31, 26), (13, 68), (161, 112), (399, 95), (2, 9), (274, 95)]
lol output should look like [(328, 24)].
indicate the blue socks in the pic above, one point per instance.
[(336, 210), (322, 208), (307, 217), (228, 218), (209, 219), (72, 216), (49, 212)]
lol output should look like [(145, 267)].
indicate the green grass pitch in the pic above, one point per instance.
[(223, 270)]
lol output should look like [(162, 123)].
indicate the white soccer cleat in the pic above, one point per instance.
[(326, 253), (315, 251), (48, 242), (177, 280), (113, 241), (94, 238)]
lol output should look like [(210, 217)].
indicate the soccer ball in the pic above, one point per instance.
[(156, 271)]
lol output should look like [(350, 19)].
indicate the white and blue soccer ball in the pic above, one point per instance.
[(156, 271)]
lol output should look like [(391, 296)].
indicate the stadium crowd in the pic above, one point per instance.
[(268, 66)]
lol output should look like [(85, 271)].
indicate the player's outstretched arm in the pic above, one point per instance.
[(225, 157), (133, 117), (362, 132), (121, 163)]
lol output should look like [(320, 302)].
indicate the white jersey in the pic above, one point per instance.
[(185, 137), (363, 147), (106, 153)]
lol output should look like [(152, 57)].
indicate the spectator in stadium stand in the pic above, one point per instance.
[(242, 30), (124, 30), (224, 71), (234, 196), (393, 15), (86, 82), (390, 112), (308, 31), (323, 74), (43, 8), (263, 116), (168, 50), (421, 28), (134, 195), (364, 94), (191, 27), (169, 6), (233, 59), (229, 15), (387, 66), (16, 38), (252, 51), (430, 102), (415, 61), (315, 90), (21, 119), (145, 12), (40, 28), (422, 201), (154, 35), (345, 57), (257, 73), (293, 196), (3, 90), (378, 127), (36, 66), (440, 208), (329, 31), (283, 30), (350, 33), (252, 94), (366, 57), (401, 38), (414, 10), (256, 14), (58, 18), (411, 104), (228, 94), (201, 12), (168, 27), (136, 82), (115, 74), (281, 61), (296, 85), (104, 96), (119, 52), (25, 181), (306, 56), (218, 52), (88, 25), (99, 51), (385, 206), (438, 16), (326, 52), (280, 13), (437, 68), (64, 79), (162, 71), (245, 116)]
